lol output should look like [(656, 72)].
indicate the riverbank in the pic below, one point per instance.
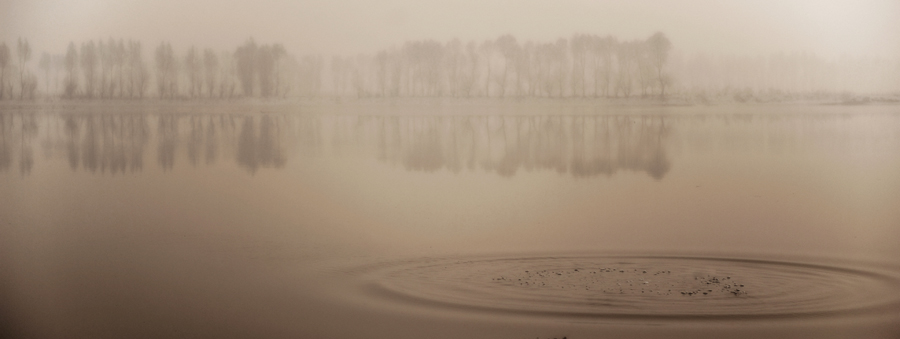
[(427, 105)]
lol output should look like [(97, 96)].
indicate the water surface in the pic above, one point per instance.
[(487, 220)]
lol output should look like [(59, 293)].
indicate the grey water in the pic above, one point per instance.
[(476, 221)]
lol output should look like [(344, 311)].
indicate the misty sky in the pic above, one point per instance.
[(742, 27)]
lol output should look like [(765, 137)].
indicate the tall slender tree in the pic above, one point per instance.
[(45, 64), (138, 74), (121, 63), (659, 46), (210, 70), (166, 71), (71, 82), (4, 61), (24, 52), (88, 59), (579, 47), (245, 58), (509, 50), (193, 66)]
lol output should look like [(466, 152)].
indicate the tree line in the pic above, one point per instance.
[(586, 65), (784, 76), (583, 66), (118, 69)]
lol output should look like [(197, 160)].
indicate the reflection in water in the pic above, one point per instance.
[(212, 147), (6, 141), (581, 146), (167, 141), (162, 247), (113, 143), (26, 153), (16, 135), (260, 147)]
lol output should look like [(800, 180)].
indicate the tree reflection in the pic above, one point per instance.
[(167, 141), (96, 142), (72, 136), (6, 141), (105, 142), (17, 133), (260, 147), (212, 144), (426, 151), (581, 146), (26, 151)]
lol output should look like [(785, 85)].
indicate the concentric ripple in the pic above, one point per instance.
[(606, 286)]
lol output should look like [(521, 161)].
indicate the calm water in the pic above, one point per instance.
[(468, 221)]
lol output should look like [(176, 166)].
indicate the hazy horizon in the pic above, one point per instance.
[(637, 169), (829, 29)]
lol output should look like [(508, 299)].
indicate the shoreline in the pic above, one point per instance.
[(414, 105)]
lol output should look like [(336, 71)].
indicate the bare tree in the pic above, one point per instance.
[(4, 61), (645, 72), (192, 64), (120, 57), (289, 69), (381, 73), (339, 75), (552, 65), (58, 62), (544, 63), (659, 46), (429, 56), (71, 82), (265, 67), (280, 67), (358, 75), (227, 82), (166, 71), (89, 67), (44, 64), (625, 55), (24, 53), (562, 60), (509, 49), (245, 58), (453, 62), (487, 48), (604, 56), (138, 75), (105, 52), (210, 69), (309, 75), (523, 69), (580, 46)]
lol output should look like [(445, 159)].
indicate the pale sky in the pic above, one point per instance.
[(738, 27)]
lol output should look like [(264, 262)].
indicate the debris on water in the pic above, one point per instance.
[(599, 279)]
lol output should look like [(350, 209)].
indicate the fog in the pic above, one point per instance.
[(449, 169), (740, 51), (829, 29)]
